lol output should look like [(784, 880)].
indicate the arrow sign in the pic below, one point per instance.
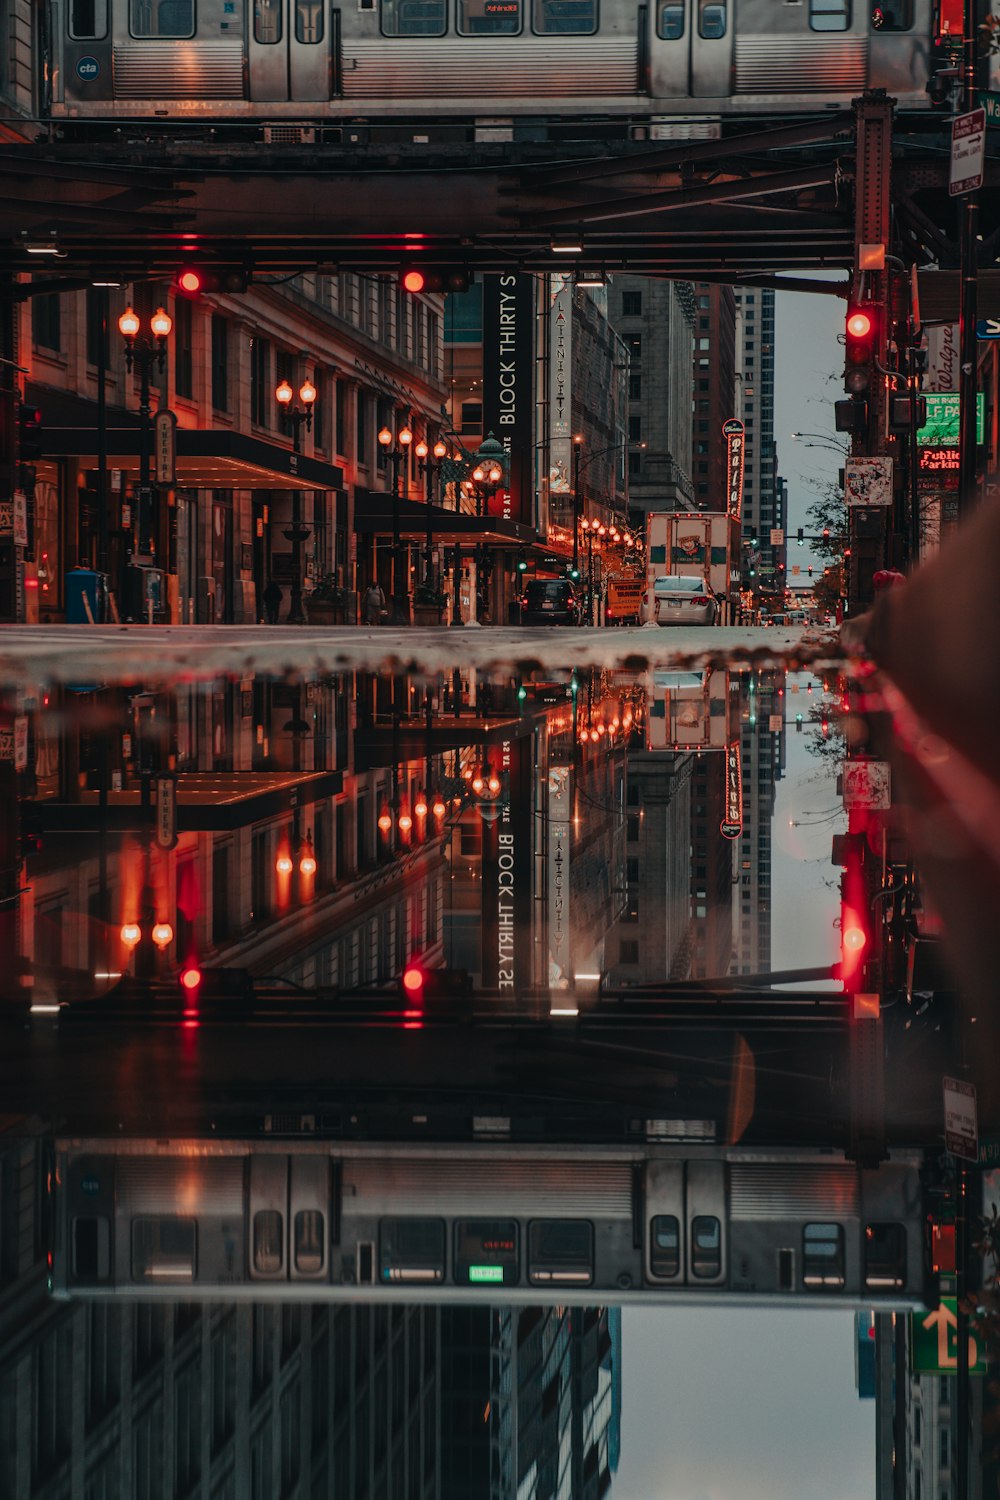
[(934, 1341), (988, 328)]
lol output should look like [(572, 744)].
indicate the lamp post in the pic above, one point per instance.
[(432, 468), (145, 347), (298, 417), (577, 507), (591, 529), (395, 452), (491, 463)]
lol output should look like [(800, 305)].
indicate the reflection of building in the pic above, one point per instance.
[(653, 935), (762, 755), (755, 365), (240, 1401), (530, 1403)]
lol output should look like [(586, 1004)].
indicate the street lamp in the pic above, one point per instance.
[(396, 452), (491, 467), (297, 417), (145, 347), (591, 529)]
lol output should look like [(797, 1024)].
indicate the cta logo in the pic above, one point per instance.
[(88, 69)]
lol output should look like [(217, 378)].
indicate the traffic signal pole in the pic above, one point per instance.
[(968, 245)]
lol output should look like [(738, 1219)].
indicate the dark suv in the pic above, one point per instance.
[(550, 601)]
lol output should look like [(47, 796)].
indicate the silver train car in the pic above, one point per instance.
[(187, 1219), (488, 64)]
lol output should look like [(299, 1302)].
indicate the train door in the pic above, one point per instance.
[(289, 51), (691, 49)]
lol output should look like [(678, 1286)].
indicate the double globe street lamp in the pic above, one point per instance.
[(297, 416), (396, 452), (145, 348)]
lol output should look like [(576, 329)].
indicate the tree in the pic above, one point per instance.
[(827, 517)]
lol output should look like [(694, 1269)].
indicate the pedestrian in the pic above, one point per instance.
[(373, 604), (272, 597)]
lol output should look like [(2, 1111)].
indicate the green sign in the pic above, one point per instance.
[(934, 1343), (991, 103), (486, 1273), (941, 428)]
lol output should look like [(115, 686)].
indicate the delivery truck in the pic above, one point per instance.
[(700, 543)]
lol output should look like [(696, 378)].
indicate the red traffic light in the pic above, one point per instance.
[(190, 281), (859, 324), (413, 281)]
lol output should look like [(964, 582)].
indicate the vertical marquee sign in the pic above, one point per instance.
[(508, 346), (506, 872), (560, 956), (732, 824), (733, 432), (560, 386)]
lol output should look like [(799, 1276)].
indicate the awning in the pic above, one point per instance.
[(207, 802), (207, 458), (373, 515)]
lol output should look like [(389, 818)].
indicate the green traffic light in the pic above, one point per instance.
[(522, 693)]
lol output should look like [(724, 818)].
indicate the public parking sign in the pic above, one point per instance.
[(961, 1131), (968, 151)]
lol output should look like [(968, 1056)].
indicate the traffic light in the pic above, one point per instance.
[(419, 983), (800, 536), (194, 280), (572, 572), (900, 410), (29, 433), (860, 342), (522, 562), (851, 415), (848, 852), (414, 279)]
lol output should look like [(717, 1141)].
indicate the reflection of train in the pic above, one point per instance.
[(480, 61), (659, 1222)]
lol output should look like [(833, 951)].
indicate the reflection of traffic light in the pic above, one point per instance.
[(415, 279), (419, 983), (190, 979), (860, 339), (854, 933)]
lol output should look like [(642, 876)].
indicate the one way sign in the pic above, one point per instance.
[(988, 328)]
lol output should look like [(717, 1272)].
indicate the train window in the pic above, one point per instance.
[(486, 1252), (822, 1255), (308, 21), (91, 1248), (829, 15), (892, 15), (664, 1245), (88, 19), (706, 1245), (309, 1241), (670, 25), (268, 1250), (489, 17), (711, 20), (411, 1250), (163, 1249), (414, 18), (267, 21), (162, 18), (885, 1255), (561, 1250), (565, 17)]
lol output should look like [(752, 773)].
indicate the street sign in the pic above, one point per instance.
[(944, 416), (988, 328), (990, 102), (868, 481), (968, 150), (865, 785), (777, 537), (165, 446), (934, 1342), (961, 1132), (166, 812)]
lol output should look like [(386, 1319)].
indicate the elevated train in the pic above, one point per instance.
[(499, 69), (522, 1223)]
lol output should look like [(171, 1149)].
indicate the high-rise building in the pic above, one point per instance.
[(755, 378), (714, 390), (762, 760)]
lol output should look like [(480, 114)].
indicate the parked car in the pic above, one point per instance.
[(679, 599), (550, 601)]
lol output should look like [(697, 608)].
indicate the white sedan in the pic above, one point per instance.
[(682, 599)]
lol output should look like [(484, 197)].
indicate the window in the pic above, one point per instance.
[(892, 15), (628, 951), (46, 330), (220, 363), (411, 1250), (664, 1245), (635, 427), (489, 17), (182, 341), (944, 1459), (706, 1246), (223, 1382), (711, 20), (161, 18), (187, 1429), (88, 19), (634, 386), (631, 304), (414, 18), (260, 381), (670, 25), (472, 417), (566, 17), (309, 1241), (822, 1255), (829, 15), (267, 21), (163, 1249), (635, 466), (341, 414), (361, 428), (267, 1241), (561, 1250), (308, 21), (885, 1255), (634, 342), (319, 412)]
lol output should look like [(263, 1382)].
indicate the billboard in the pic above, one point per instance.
[(508, 347)]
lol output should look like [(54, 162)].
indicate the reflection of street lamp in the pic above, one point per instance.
[(298, 417), (432, 468), (396, 453), (146, 348)]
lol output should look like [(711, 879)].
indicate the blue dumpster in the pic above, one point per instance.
[(82, 584)]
